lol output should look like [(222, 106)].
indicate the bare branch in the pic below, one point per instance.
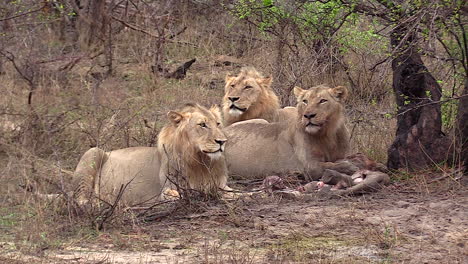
[(23, 14), (431, 103), (136, 28)]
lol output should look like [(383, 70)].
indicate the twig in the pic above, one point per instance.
[(160, 215), (431, 103), (446, 175), (9, 56), (151, 34), (23, 14), (206, 214), (380, 62), (114, 205)]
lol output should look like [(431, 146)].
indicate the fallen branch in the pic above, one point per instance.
[(181, 71), (114, 205), (202, 215), (458, 171)]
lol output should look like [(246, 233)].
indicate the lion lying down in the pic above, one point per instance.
[(249, 96), (314, 138), (191, 144)]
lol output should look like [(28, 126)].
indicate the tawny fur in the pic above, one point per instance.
[(181, 146), (179, 155), (257, 149), (259, 100)]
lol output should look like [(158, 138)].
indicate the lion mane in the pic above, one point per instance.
[(314, 137), (206, 173), (249, 96), (191, 146)]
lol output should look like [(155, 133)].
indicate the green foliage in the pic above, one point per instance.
[(354, 36), (449, 111), (314, 20), (322, 18), (265, 12)]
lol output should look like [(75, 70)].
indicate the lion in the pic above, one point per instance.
[(191, 144), (248, 96), (314, 138)]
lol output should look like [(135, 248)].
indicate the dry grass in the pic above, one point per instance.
[(39, 146)]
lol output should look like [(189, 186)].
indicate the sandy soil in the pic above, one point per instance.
[(400, 224)]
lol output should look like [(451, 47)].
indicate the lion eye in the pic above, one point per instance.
[(323, 101), (218, 123), (305, 101), (248, 87), (202, 125)]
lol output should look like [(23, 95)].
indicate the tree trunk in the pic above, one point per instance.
[(461, 131), (419, 141), (92, 23)]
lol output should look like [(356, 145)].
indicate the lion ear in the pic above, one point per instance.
[(265, 81), (216, 111), (298, 91), (175, 117), (339, 92)]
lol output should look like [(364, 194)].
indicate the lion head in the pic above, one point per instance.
[(320, 109), (248, 96), (193, 144)]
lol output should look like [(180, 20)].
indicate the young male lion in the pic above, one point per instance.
[(315, 137), (249, 96), (192, 144)]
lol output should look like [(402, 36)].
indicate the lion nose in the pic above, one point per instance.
[(309, 116), (220, 141), (233, 98)]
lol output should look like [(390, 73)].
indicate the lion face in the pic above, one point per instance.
[(319, 108), (243, 91), (202, 128)]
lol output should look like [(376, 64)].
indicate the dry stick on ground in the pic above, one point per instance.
[(147, 209), (458, 172), (180, 72), (110, 212)]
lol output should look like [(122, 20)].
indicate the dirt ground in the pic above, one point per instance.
[(403, 223)]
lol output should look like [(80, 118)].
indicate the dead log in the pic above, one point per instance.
[(181, 71)]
